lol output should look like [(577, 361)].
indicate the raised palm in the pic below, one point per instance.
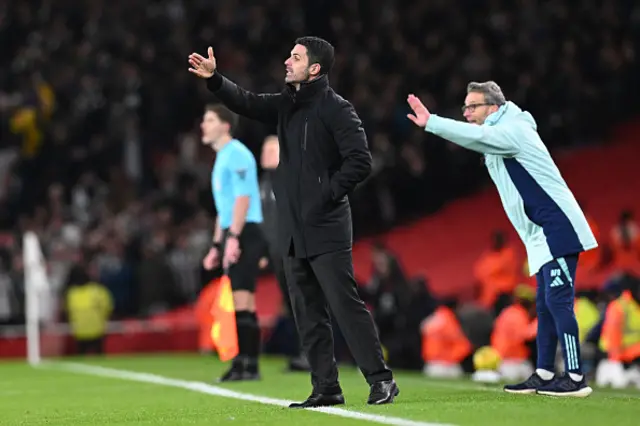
[(420, 114), (201, 66)]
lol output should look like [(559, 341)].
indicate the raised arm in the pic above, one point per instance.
[(352, 142), (497, 140), (485, 139), (261, 107)]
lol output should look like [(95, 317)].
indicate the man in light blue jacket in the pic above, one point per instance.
[(543, 211)]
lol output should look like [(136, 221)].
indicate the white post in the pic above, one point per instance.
[(35, 281), (33, 323)]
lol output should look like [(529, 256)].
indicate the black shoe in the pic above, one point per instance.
[(240, 370), (383, 392), (239, 376), (233, 374), (320, 400), (529, 386), (564, 385)]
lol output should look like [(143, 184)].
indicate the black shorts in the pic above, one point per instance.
[(244, 273)]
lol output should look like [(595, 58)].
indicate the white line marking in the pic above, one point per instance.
[(226, 393)]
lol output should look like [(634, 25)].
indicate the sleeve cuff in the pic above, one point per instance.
[(214, 83), (433, 123)]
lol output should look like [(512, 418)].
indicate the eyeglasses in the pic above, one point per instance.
[(472, 107)]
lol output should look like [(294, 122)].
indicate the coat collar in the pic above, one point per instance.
[(308, 89)]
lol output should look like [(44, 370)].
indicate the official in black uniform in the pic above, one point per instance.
[(323, 157), (269, 162)]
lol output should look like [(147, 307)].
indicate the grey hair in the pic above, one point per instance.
[(492, 92)]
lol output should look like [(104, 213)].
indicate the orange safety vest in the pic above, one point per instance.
[(497, 272), (217, 318), (443, 339), (620, 337), (511, 331)]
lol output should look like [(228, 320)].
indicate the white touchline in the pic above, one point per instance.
[(226, 393)]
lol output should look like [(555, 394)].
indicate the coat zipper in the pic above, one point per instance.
[(304, 149), (304, 141)]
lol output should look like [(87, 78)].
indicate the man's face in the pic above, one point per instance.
[(380, 262), (270, 153), (297, 66), (212, 128), (475, 109)]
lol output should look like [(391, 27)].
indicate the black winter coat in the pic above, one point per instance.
[(269, 209), (323, 157)]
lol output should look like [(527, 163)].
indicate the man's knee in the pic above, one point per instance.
[(559, 300), (244, 300)]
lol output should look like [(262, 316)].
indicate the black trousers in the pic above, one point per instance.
[(277, 263), (315, 285)]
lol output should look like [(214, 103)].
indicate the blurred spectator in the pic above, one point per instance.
[(9, 302), (514, 335), (398, 306), (620, 339), (497, 274), (625, 244), (446, 350), (88, 305), (158, 290)]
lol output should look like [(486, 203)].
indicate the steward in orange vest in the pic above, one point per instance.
[(620, 338)]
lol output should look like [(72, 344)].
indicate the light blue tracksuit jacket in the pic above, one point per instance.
[(534, 194)]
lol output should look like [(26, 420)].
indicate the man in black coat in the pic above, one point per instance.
[(323, 157)]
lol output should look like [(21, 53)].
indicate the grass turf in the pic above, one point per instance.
[(51, 396)]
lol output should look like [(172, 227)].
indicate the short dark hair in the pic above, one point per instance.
[(319, 51), (224, 114)]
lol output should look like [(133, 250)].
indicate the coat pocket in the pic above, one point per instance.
[(311, 192), (325, 187)]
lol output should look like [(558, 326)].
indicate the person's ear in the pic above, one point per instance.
[(314, 69)]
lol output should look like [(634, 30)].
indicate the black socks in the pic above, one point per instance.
[(248, 338)]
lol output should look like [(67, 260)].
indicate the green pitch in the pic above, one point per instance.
[(53, 395)]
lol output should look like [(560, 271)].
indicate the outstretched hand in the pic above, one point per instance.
[(420, 114), (201, 66)]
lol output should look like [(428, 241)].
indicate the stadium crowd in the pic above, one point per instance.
[(100, 150)]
